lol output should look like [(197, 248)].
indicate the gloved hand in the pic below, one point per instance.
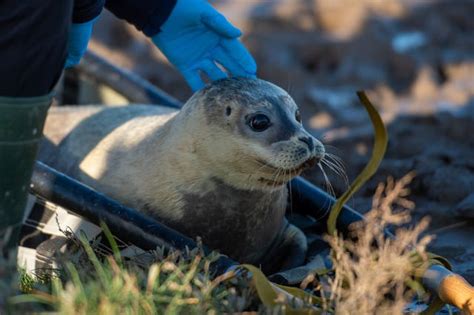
[(196, 36), (79, 36)]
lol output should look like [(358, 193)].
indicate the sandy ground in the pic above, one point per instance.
[(414, 58)]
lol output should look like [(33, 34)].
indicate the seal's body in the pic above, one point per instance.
[(216, 169)]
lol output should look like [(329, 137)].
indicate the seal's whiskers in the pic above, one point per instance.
[(327, 183), (337, 160), (275, 179), (337, 170), (289, 191), (251, 184), (330, 190)]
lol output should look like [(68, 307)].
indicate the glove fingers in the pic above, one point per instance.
[(212, 70), (232, 67), (219, 24), (193, 79), (241, 55), (238, 61)]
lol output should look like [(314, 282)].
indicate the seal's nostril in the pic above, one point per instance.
[(308, 141)]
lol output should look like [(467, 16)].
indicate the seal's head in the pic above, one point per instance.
[(253, 134)]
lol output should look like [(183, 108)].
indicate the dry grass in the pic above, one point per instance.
[(374, 274), (174, 283)]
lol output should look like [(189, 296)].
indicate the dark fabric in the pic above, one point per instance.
[(86, 10), (33, 41), (146, 15), (34, 33)]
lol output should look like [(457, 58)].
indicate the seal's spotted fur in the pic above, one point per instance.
[(202, 170)]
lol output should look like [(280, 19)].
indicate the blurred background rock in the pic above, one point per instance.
[(415, 58)]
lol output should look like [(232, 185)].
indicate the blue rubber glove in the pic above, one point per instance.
[(196, 36), (79, 36)]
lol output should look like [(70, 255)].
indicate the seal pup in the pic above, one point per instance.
[(217, 169)]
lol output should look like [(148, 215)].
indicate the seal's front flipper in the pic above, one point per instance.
[(293, 247), (287, 251)]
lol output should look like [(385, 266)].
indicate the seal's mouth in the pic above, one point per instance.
[(289, 173), (310, 163)]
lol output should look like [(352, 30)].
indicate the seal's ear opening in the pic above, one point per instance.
[(298, 116), (228, 111)]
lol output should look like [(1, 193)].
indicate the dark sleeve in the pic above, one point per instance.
[(146, 15), (33, 46), (86, 10)]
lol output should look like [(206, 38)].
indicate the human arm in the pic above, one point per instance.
[(192, 35)]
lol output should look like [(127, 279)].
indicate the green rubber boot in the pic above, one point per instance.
[(21, 129)]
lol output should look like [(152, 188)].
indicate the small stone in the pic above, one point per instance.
[(425, 86), (465, 209), (404, 42), (321, 121), (449, 184)]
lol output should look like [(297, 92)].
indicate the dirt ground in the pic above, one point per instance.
[(414, 58)]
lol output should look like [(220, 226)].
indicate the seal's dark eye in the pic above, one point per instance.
[(298, 116), (259, 122)]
